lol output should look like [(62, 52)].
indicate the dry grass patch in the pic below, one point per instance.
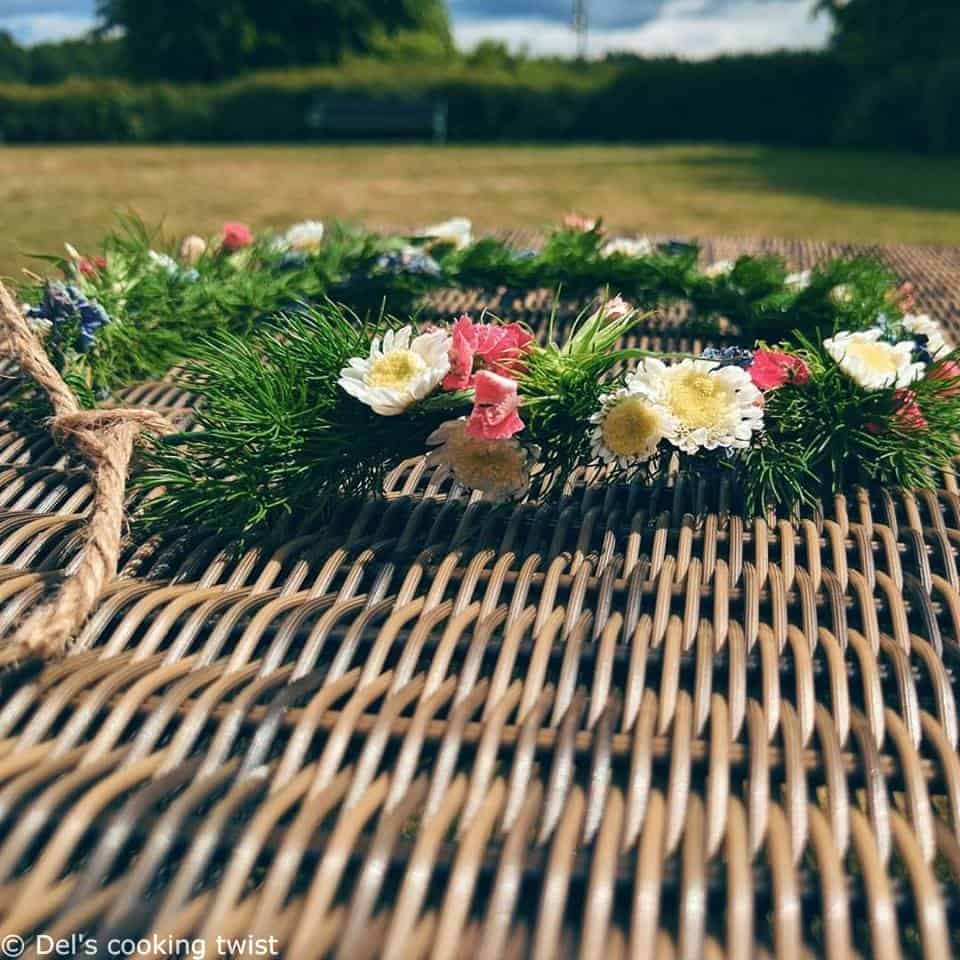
[(50, 194)]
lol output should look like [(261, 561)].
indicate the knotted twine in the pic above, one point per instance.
[(104, 439)]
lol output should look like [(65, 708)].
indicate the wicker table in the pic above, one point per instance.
[(598, 728)]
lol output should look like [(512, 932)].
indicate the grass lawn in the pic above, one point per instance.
[(52, 194)]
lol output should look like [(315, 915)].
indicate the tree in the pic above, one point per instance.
[(880, 34), (183, 40), (322, 31), (13, 60), (88, 56), (905, 69), (208, 40)]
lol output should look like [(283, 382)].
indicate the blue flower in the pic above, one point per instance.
[(922, 353), (729, 356), (411, 261), (63, 303)]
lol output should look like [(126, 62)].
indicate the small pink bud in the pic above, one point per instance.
[(192, 249), (235, 236)]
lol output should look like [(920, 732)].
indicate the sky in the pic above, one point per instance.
[(692, 28)]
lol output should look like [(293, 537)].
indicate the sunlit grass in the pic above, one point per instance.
[(52, 194)]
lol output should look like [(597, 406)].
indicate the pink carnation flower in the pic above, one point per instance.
[(496, 403), (771, 369), (580, 223), (907, 414), (949, 373), (484, 346), (235, 236)]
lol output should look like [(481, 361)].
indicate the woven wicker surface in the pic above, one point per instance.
[(597, 728)]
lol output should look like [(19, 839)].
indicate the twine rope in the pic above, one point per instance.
[(104, 439)]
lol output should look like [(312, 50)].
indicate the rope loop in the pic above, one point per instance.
[(104, 439)]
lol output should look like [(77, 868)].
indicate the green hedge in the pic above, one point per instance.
[(918, 109), (803, 99)]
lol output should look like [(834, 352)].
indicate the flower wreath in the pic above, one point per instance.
[(132, 312), (320, 406)]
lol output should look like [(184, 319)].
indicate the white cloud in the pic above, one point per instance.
[(686, 28), (36, 28)]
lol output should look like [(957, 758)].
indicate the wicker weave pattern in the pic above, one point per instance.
[(594, 728)]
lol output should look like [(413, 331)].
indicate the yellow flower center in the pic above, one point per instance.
[(307, 244), (630, 427), (395, 369), (877, 356), (698, 399)]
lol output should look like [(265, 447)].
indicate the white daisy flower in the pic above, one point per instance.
[(628, 428), (871, 362), (499, 469), (722, 268), (163, 262), (40, 326), (711, 405), (798, 281), (306, 236), (926, 326), (459, 231), (628, 247), (399, 371)]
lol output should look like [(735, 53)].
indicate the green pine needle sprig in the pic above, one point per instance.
[(277, 437), (158, 317), (822, 437)]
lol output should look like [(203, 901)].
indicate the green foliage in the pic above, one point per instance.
[(823, 436), (278, 437), (845, 294), (912, 107), (13, 60), (802, 99), (872, 35), (892, 79), (47, 63), (517, 101), (905, 71), (494, 54), (196, 41), (158, 316), (562, 385), (790, 98), (842, 294), (279, 440)]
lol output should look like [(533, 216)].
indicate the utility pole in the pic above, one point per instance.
[(580, 25)]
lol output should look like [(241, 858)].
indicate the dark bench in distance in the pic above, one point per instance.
[(360, 118)]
